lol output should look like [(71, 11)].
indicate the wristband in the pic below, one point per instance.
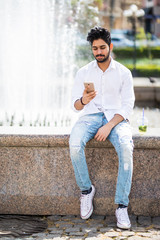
[(81, 101)]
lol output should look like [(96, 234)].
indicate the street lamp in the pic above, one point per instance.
[(133, 13)]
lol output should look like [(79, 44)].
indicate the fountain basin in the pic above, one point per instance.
[(147, 93), (37, 178)]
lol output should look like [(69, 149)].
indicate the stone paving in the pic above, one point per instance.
[(97, 227)]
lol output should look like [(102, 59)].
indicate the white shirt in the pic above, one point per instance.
[(115, 94)]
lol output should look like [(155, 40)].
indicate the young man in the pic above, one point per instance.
[(105, 116)]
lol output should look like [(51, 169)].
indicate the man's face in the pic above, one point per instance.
[(101, 50)]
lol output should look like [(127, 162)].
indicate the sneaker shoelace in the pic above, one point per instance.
[(123, 215), (84, 201)]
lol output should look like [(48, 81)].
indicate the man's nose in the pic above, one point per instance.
[(99, 51)]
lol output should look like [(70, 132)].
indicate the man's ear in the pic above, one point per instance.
[(111, 46)]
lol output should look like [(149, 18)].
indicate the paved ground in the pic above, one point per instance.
[(98, 227)]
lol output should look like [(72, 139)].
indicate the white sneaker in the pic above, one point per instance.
[(86, 208), (122, 218)]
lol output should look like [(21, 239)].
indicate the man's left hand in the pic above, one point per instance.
[(103, 133)]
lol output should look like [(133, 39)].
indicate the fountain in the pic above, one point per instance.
[(37, 49), (37, 61)]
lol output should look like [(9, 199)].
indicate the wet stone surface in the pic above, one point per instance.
[(73, 227)]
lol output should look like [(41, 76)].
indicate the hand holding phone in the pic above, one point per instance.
[(89, 86), (89, 92)]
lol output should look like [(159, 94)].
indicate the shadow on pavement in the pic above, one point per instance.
[(16, 225)]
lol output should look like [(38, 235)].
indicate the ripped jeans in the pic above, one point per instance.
[(121, 138)]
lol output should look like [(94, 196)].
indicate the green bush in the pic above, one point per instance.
[(146, 70), (141, 52)]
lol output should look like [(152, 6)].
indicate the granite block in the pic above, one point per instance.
[(144, 93), (37, 178)]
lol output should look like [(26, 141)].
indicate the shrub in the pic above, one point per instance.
[(141, 52), (146, 70)]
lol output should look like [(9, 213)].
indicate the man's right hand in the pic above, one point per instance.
[(87, 97)]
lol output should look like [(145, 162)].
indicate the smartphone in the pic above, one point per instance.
[(90, 86)]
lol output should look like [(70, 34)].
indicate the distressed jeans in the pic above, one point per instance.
[(121, 138)]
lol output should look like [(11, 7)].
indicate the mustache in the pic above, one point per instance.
[(100, 55)]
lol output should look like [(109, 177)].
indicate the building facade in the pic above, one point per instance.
[(112, 14), (152, 16)]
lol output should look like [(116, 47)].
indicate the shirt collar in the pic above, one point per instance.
[(111, 65)]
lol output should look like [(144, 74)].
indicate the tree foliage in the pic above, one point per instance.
[(86, 13)]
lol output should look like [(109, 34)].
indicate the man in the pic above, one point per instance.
[(105, 116)]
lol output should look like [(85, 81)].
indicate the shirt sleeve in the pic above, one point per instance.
[(77, 90), (127, 96)]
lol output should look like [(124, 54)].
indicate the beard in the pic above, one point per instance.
[(103, 59)]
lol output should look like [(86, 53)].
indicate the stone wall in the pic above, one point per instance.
[(36, 175)]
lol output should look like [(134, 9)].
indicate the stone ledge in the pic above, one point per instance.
[(147, 93), (37, 178), (150, 139)]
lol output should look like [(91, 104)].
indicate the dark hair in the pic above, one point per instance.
[(99, 33)]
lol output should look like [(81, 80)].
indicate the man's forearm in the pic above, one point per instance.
[(115, 120), (105, 130), (78, 105)]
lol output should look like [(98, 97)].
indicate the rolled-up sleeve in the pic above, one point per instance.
[(77, 90), (127, 96)]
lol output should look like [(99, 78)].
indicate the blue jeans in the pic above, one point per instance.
[(121, 138)]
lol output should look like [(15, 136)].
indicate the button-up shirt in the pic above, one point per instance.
[(115, 94)]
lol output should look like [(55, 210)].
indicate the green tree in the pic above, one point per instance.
[(86, 13)]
